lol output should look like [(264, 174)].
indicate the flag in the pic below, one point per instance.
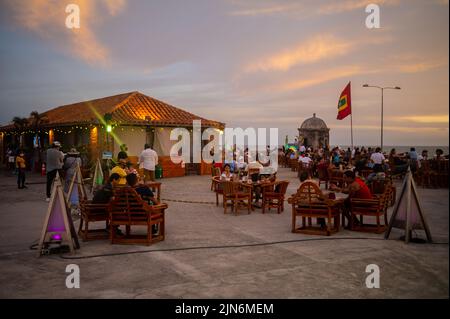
[(345, 103)]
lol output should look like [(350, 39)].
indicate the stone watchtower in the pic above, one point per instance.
[(314, 132)]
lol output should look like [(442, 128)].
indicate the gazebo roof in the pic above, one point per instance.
[(133, 108)]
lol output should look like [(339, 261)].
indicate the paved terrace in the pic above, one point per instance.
[(311, 269)]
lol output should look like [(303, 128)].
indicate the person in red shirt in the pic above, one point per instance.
[(356, 188)]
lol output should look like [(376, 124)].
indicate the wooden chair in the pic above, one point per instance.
[(323, 176), (293, 164), (90, 213), (309, 202), (273, 196), (303, 167), (217, 187), (238, 194), (375, 207), (215, 172), (127, 208), (335, 176), (442, 173)]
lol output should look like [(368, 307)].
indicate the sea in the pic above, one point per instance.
[(403, 149)]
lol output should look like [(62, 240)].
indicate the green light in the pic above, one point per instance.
[(109, 128)]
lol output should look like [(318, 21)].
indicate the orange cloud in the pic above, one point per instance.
[(350, 5), (317, 48), (46, 18), (329, 75), (438, 119), (420, 66)]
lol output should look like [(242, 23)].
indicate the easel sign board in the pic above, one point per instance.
[(58, 224), (408, 213), (98, 176), (76, 189)]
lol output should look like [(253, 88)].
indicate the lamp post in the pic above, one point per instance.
[(382, 102)]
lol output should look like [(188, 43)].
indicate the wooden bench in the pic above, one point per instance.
[(91, 213), (308, 203), (127, 208)]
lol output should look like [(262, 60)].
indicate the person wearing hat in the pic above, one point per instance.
[(54, 163), (70, 165), (120, 169)]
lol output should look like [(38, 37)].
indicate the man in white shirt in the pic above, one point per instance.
[(377, 158), (148, 160), (305, 159)]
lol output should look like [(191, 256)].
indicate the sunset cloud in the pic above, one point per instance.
[(437, 119), (325, 76), (46, 19), (315, 49)]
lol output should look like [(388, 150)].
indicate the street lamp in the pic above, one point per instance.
[(382, 99)]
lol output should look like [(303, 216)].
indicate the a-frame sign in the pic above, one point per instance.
[(58, 225), (98, 176), (76, 189), (408, 213)]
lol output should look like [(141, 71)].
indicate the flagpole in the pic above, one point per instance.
[(351, 128)]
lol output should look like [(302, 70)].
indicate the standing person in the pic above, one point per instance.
[(21, 166), (123, 152), (378, 160), (72, 161), (11, 159), (148, 160), (55, 162)]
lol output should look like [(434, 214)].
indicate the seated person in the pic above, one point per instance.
[(104, 195), (121, 170), (226, 175), (356, 188), (144, 191), (377, 174)]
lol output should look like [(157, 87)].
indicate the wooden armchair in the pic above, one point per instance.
[(305, 167), (90, 213), (376, 207), (309, 202), (215, 172), (323, 176), (293, 164), (238, 194), (336, 177), (273, 196), (217, 187), (127, 208)]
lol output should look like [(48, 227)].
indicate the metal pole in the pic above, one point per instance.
[(351, 130), (382, 101)]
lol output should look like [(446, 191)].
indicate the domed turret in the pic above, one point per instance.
[(314, 132)]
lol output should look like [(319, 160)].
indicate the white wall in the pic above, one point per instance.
[(134, 138)]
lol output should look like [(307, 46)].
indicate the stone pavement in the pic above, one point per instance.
[(326, 268)]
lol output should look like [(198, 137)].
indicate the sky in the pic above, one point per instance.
[(247, 63)]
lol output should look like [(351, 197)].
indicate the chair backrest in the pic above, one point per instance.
[(127, 204), (322, 172), (378, 186), (281, 187), (229, 188), (309, 192)]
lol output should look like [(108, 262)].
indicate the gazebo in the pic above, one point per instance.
[(104, 124)]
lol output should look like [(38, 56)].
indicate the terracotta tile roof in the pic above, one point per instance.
[(133, 108)]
